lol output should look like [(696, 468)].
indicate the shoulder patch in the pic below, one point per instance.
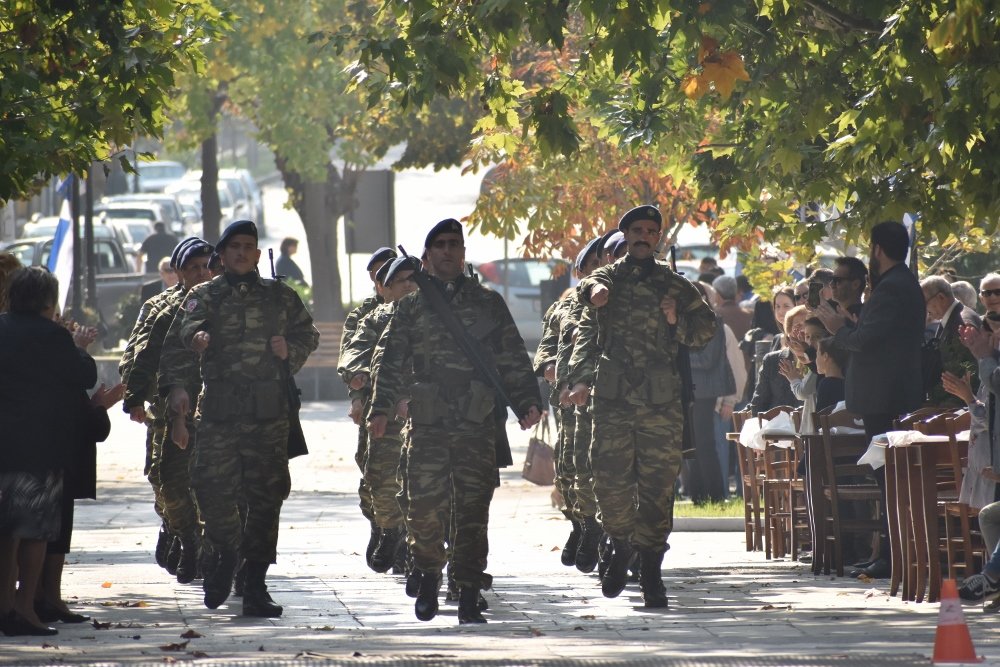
[(190, 305)]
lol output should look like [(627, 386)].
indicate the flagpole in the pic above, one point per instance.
[(77, 287)]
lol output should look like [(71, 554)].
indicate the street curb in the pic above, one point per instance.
[(707, 524)]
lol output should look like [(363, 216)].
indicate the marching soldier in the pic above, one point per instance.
[(252, 334), (641, 312), (451, 405)]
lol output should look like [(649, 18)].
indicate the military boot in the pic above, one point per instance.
[(426, 606), (603, 555), (240, 580), (586, 553), (373, 540), (173, 555), (256, 600), (163, 542), (572, 542), (451, 593), (401, 564), (616, 575), (187, 568), (654, 593), (219, 569), (385, 553), (413, 583), (468, 606)]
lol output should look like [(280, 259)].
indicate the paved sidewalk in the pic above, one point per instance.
[(727, 606)]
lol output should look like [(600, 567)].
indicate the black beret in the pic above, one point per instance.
[(611, 241), (587, 251), (214, 261), (383, 254), (647, 212), (382, 271), (620, 244), (447, 226), (196, 248), (602, 239), (179, 248), (398, 265), (238, 227)]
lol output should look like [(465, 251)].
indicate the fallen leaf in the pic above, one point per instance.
[(865, 579), (872, 592), (588, 617), (325, 628), (49, 646), (579, 627), (136, 637), (767, 607), (106, 584), (358, 654), (260, 648), (198, 654), (554, 549), (169, 659), (191, 634), (535, 632), (174, 647), (100, 626)]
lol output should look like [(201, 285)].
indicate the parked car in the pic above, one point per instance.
[(520, 282), (256, 196), (155, 176), (230, 179), (45, 228), (173, 213), (115, 274), (190, 191)]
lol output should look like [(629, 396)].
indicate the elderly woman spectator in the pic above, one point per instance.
[(43, 376), (965, 292)]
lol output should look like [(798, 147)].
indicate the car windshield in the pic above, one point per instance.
[(36, 231), (24, 252), (236, 186), (519, 272), (139, 231), (144, 213), (160, 170)]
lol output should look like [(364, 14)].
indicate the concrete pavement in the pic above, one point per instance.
[(727, 606)]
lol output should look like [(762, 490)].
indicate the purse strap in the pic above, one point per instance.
[(541, 431)]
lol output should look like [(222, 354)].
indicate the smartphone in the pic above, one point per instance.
[(814, 289)]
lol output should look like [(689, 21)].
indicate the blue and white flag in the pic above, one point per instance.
[(61, 256)]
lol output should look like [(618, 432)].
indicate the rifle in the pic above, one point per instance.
[(687, 383), (296, 437)]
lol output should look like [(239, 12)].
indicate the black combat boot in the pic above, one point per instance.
[(451, 593), (654, 593), (163, 542), (413, 583), (385, 553), (616, 575), (373, 540), (401, 564), (426, 606), (240, 580), (174, 555), (256, 600), (187, 568), (586, 553), (603, 555), (468, 606), (219, 568), (572, 542)]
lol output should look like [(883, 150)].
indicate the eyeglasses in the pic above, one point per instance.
[(989, 292), (801, 296)]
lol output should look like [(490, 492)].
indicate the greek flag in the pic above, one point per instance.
[(61, 256)]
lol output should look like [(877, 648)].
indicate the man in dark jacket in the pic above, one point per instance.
[(883, 378), (947, 352)]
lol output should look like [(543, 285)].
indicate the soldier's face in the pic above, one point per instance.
[(195, 272), (642, 237), (447, 256), (589, 266), (400, 286), (240, 256), (375, 268)]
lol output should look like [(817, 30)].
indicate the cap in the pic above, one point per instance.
[(647, 212), (197, 248), (399, 265), (447, 226), (179, 248), (381, 273), (619, 247), (238, 227), (588, 250), (609, 243), (602, 239), (383, 254)]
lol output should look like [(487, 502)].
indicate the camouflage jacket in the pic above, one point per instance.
[(549, 343), (239, 358), (140, 331), (569, 324), (351, 323), (356, 356), (416, 344), (631, 331), (141, 385)]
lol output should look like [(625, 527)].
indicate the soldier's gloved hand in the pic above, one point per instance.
[(599, 296), (199, 342), (377, 425), (179, 432), (279, 347), (137, 414), (668, 305), (178, 401), (532, 418), (579, 394), (359, 381), (356, 406), (549, 373), (403, 409)]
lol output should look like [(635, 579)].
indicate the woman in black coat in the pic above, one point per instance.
[(42, 373)]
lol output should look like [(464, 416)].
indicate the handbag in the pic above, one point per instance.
[(539, 465)]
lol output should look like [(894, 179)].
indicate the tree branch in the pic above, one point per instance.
[(843, 20)]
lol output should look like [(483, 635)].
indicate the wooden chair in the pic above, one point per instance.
[(961, 522), (747, 458), (779, 470), (843, 480)]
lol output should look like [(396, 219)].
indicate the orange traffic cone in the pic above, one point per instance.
[(952, 642)]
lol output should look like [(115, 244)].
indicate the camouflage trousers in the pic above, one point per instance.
[(364, 490), (381, 475), (453, 459), (236, 462), (636, 457), (583, 481), (156, 430), (175, 486), (564, 456)]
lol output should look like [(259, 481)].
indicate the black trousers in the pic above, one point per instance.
[(877, 424)]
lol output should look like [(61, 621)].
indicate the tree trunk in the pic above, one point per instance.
[(211, 211)]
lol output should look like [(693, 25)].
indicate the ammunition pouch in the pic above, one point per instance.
[(611, 381), (661, 383), (478, 402), (426, 404), (656, 383), (263, 400), (269, 400)]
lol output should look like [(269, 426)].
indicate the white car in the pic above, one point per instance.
[(190, 191), (155, 176)]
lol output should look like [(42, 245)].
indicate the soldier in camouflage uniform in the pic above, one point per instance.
[(134, 406), (251, 334), (451, 409), (641, 312), (381, 462), (359, 397), (170, 463)]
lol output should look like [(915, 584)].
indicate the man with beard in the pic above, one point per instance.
[(627, 351), (883, 376)]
